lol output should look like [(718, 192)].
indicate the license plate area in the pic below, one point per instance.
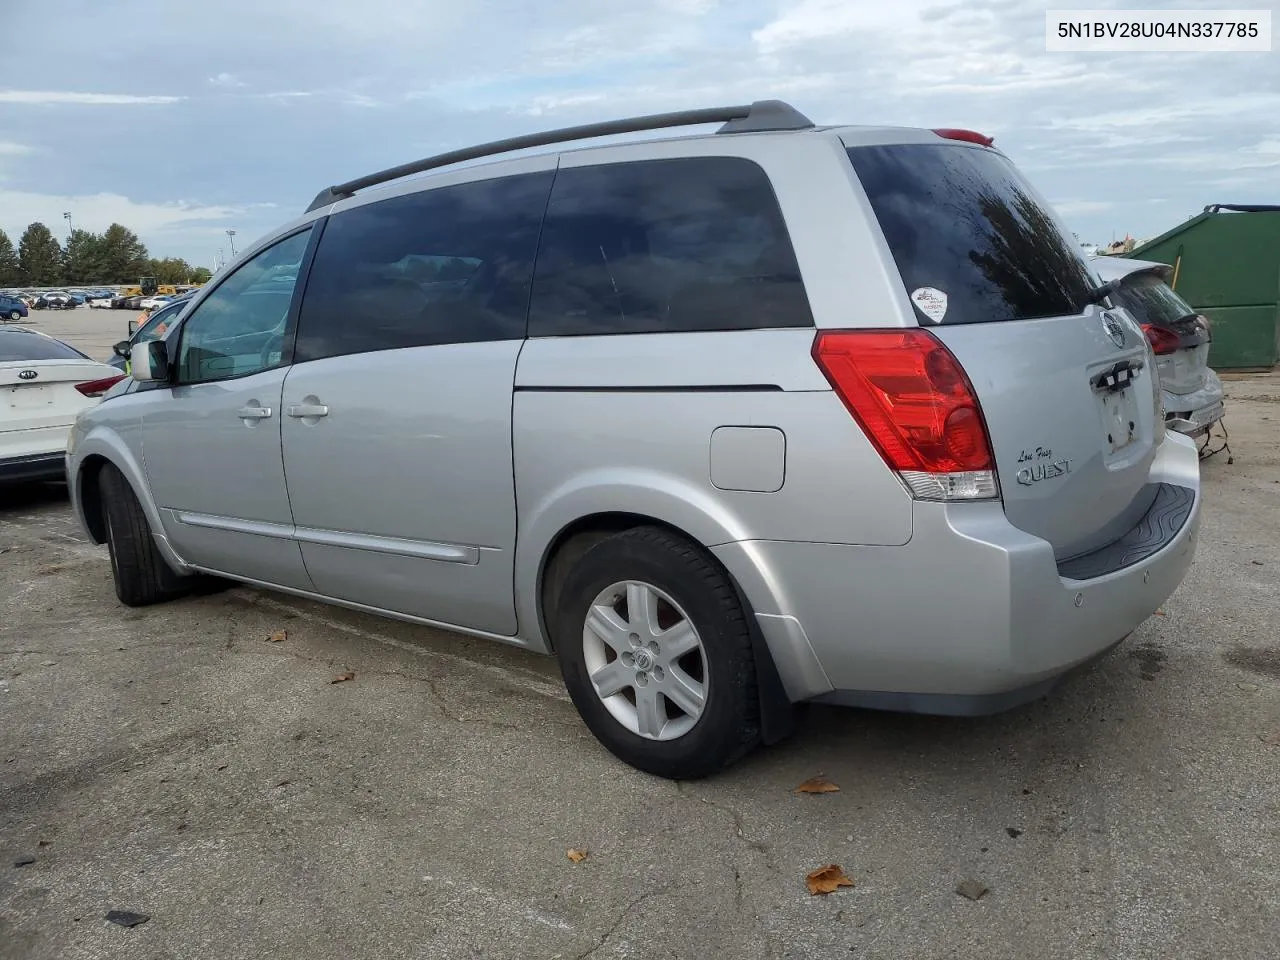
[(1117, 405), (32, 397), (1208, 415), (1119, 419)]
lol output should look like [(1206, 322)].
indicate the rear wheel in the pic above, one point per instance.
[(656, 654), (142, 576), (15, 316)]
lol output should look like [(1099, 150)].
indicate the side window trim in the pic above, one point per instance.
[(291, 317)]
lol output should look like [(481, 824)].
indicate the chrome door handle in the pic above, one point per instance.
[(252, 412), (300, 411)]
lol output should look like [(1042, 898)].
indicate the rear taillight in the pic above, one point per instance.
[(1163, 341), (96, 388), (968, 136), (916, 405)]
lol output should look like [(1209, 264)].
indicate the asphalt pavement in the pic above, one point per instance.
[(177, 763)]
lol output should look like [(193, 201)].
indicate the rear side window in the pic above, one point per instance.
[(657, 246), (1150, 300), (449, 265), (26, 345), (972, 240)]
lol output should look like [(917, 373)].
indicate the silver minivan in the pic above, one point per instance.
[(726, 422)]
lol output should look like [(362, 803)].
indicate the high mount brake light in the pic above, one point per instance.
[(1163, 341), (916, 405), (968, 136), (96, 388)]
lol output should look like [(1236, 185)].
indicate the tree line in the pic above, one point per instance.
[(114, 256)]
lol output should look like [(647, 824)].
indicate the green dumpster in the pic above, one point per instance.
[(1226, 264)]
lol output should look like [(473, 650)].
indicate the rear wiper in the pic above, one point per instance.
[(1098, 294)]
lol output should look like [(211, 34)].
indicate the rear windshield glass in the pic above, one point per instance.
[(1150, 300), (972, 240), (25, 345)]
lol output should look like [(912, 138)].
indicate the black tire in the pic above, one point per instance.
[(729, 725), (15, 316), (141, 574)]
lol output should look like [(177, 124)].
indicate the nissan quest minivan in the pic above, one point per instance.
[(725, 422)]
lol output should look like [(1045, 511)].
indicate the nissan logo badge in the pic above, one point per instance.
[(28, 374), (1115, 330)]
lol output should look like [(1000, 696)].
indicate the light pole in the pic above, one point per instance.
[(66, 215), (231, 238)]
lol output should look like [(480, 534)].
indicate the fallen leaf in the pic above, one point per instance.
[(1161, 613), (972, 889), (126, 919), (1013, 832), (24, 861), (1256, 563), (1270, 739), (826, 880), (576, 855), (52, 569), (343, 677), (278, 636), (1248, 687), (817, 785)]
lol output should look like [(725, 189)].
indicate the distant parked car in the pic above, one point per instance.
[(101, 302), (152, 303), (11, 307), (1179, 337), (44, 383), (56, 301)]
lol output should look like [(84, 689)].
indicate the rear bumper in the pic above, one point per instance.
[(1194, 413), (971, 616), (42, 466)]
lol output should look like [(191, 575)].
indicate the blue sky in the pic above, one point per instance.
[(182, 121)]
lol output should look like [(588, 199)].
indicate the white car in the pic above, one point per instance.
[(153, 303), (44, 383), (100, 302)]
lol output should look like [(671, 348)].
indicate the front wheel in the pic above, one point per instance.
[(656, 654), (141, 573)]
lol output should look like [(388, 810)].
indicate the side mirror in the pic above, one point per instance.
[(121, 349), (151, 362), (133, 327)]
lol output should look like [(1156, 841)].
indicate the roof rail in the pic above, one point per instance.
[(759, 116)]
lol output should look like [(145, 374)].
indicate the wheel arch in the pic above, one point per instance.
[(575, 537)]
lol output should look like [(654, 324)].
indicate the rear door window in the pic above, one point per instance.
[(658, 246), (972, 240), (448, 265)]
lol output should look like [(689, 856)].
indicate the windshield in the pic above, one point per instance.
[(972, 240)]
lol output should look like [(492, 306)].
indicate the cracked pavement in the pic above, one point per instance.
[(171, 761)]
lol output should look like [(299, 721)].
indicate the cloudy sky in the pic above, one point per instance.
[(184, 120)]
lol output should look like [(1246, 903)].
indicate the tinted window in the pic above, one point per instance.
[(963, 221), (28, 345), (696, 243), (239, 328), (449, 265), (1150, 300)]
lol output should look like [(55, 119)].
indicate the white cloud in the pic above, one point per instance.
[(97, 212), (227, 80), (66, 96), (10, 149)]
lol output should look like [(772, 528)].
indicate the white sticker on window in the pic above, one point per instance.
[(931, 302)]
